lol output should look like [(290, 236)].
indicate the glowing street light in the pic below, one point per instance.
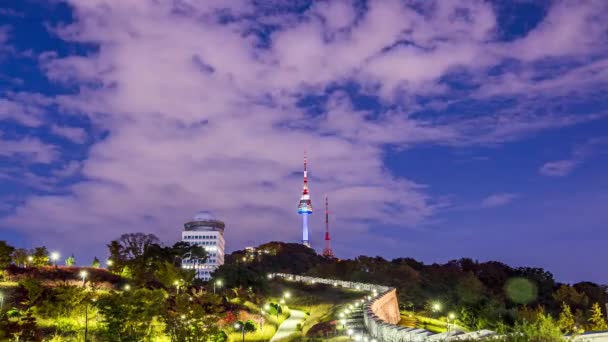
[(127, 287), (109, 262), (55, 257), (83, 275), (287, 295), (282, 301), (267, 307), (217, 283), (30, 259), (349, 332), (436, 306), (451, 317)]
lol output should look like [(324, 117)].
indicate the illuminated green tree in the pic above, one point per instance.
[(70, 261), (95, 263), (597, 320), (40, 256), (566, 320), (130, 314)]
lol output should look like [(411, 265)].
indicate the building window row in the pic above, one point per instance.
[(200, 237), (207, 243)]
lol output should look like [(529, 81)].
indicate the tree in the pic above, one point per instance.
[(191, 317), (168, 274), (245, 327), (70, 261), (597, 320), (34, 290), (275, 309), (569, 295), (130, 314), (566, 320), (95, 263), (6, 251), (19, 256), (40, 256)]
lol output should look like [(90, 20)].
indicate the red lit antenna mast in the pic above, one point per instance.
[(327, 251)]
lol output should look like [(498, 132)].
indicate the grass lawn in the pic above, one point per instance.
[(411, 319)]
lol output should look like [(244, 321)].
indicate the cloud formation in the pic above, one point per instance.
[(498, 200), (201, 108)]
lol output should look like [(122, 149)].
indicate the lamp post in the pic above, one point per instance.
[(109, 263), (262, 313), (83, 275), (55, 257), (176, 283), (30, 259), (238, 326), (452, 317), (1, 301), (217, 283)]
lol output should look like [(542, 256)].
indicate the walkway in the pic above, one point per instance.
[(290, 325)]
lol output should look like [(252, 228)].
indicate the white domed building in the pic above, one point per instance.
[(208, 232)]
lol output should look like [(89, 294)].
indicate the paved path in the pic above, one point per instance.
[(289, 325)]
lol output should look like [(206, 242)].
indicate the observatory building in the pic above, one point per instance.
[(208, 232)]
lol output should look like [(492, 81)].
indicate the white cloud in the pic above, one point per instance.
[(198, 116), (498, 200), (558, 168), (75, 134), (28, 150)]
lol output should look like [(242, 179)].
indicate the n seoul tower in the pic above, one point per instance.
[(305, 207)]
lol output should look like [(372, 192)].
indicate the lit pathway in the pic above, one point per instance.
[(289, 326)]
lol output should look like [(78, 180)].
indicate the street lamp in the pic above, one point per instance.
[(452, 317), (109, 262), (127, 287), (30, 259), (217, 283), (436, 306), (287, 295), (83, 275), (1, 301), (55, 257)]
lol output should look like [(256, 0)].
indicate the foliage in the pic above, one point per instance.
[(129, 315), (70, 261), (40, 256), (596, 319), (168, 274), (95, 263), (187, 318), (566, 320), (19, 256), (6, 251), (34, 291), (140, 256)]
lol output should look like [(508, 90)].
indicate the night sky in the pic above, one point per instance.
[(438, 129)]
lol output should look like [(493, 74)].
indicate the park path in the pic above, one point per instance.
[(289, 326)]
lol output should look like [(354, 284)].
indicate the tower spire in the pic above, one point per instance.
[(305, 205), (327, 251)]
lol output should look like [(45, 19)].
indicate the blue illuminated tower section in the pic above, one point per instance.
[(305, 207)]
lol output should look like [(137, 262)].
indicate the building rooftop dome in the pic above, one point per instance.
[(204, 216)]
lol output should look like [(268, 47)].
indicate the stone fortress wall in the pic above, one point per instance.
[(381, 314)]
